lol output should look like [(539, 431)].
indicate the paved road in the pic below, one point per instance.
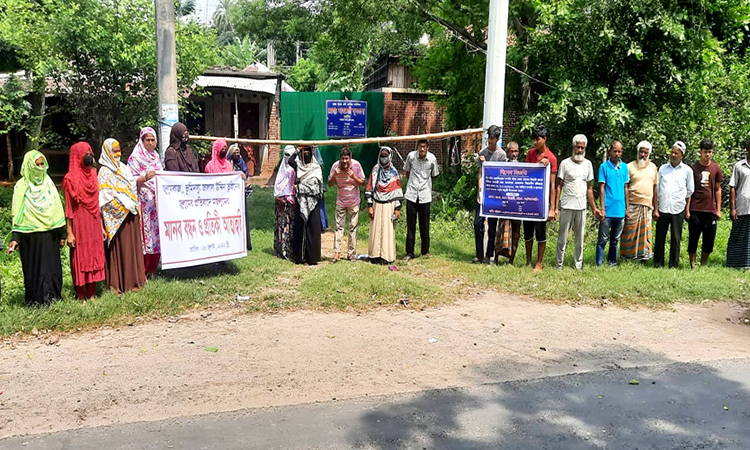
[(674, 406)]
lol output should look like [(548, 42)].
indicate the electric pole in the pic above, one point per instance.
[(494, 81), (166, 70)]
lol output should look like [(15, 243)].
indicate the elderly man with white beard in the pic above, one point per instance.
[(637, 237), (574, 182)]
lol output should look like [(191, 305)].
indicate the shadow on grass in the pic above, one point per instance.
[(674, 406), (204, 271)]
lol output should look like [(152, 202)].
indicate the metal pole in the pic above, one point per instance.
[(166, 70), (494, 81), (236, 118)]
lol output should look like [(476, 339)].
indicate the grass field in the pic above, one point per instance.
[(273, 284)]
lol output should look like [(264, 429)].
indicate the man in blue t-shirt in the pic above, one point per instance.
[(613, 189)]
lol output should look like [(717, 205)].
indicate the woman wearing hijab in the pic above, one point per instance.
[(219, 162), (323, 211), (118, 200), (283, 192), (144, 161), (239, 165), (84, 221), (38, 230), (179, 156), (252, 159), (384, 197), (309, 190)]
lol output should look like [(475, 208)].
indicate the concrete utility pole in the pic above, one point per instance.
[(166, 69), (494, 81)]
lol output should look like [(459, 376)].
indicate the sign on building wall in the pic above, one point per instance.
[(201, 218), (513, 190), (346, 118)]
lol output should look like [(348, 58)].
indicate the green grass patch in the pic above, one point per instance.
[(273, 284)]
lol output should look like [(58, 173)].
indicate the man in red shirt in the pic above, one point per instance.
[(705, 204), (540, 153)]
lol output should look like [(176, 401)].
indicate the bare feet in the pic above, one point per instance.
[(538, 267)]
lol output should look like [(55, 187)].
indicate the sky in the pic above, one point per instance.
[(204, 9)]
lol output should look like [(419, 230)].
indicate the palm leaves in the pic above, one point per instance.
[(242, 53), (221, 17), (184, 8)]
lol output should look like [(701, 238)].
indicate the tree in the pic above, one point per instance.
[(647, 70), (242, 53), (184, 8), (14, 110), (102, 57), (305, 76), (221, 17), (282, 22)]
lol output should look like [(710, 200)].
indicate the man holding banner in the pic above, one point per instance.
[(540, 153), (520, 191), (490, 153)]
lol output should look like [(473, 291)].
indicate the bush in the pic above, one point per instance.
[(6, 197), (457, 192)]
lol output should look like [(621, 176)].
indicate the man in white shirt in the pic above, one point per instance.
[(676, 185), (738, 246), (421, 167), (574, 186)]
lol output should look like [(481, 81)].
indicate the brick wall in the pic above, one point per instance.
[(404, 114), (409, 114), (274, 132), (473, 143)]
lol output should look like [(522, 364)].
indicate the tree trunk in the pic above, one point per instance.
[(526, 88), (38, 109), (10, 156)]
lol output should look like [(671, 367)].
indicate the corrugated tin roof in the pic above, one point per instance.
[(267, 86)]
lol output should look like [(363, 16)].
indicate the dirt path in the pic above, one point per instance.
[(162, 369)]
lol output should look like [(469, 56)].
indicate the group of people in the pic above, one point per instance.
[(631, 197), (298, 191), (109, 219)]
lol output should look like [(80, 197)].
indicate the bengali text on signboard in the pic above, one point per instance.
[(346, 118), (513, 190)]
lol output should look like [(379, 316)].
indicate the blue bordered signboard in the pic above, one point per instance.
[(515, 190), (346, 118)]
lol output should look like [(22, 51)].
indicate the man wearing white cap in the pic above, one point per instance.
[(675, 187), (637, 236)]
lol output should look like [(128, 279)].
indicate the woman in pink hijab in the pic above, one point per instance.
[(219, 162)]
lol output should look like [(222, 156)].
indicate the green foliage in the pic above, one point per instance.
[(103, 57), (283, 22), (653, 70), (305, 76), (8, 58), (447, 66), (457, 191), (14, 108), (241, 53), (222, 16), (183, 8)]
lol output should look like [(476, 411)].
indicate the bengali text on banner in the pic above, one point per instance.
[(515, 190), (201, 218)]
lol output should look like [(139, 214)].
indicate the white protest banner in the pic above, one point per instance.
[(201, 218)]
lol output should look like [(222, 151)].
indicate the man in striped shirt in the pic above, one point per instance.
[(347, 175)]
